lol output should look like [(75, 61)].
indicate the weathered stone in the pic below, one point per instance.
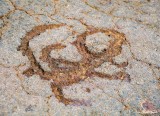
[(106, 58)]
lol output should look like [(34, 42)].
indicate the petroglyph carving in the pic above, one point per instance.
[(78, 71)]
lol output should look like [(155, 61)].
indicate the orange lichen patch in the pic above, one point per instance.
[(73, 72)]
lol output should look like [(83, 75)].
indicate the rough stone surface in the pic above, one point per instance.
[(137, 20)]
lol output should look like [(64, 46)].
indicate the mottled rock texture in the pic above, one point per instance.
[(79, 57)]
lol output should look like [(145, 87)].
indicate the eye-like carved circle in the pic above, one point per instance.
[(78, 71)]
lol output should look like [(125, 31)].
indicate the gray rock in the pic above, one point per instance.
[(138, 21)]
